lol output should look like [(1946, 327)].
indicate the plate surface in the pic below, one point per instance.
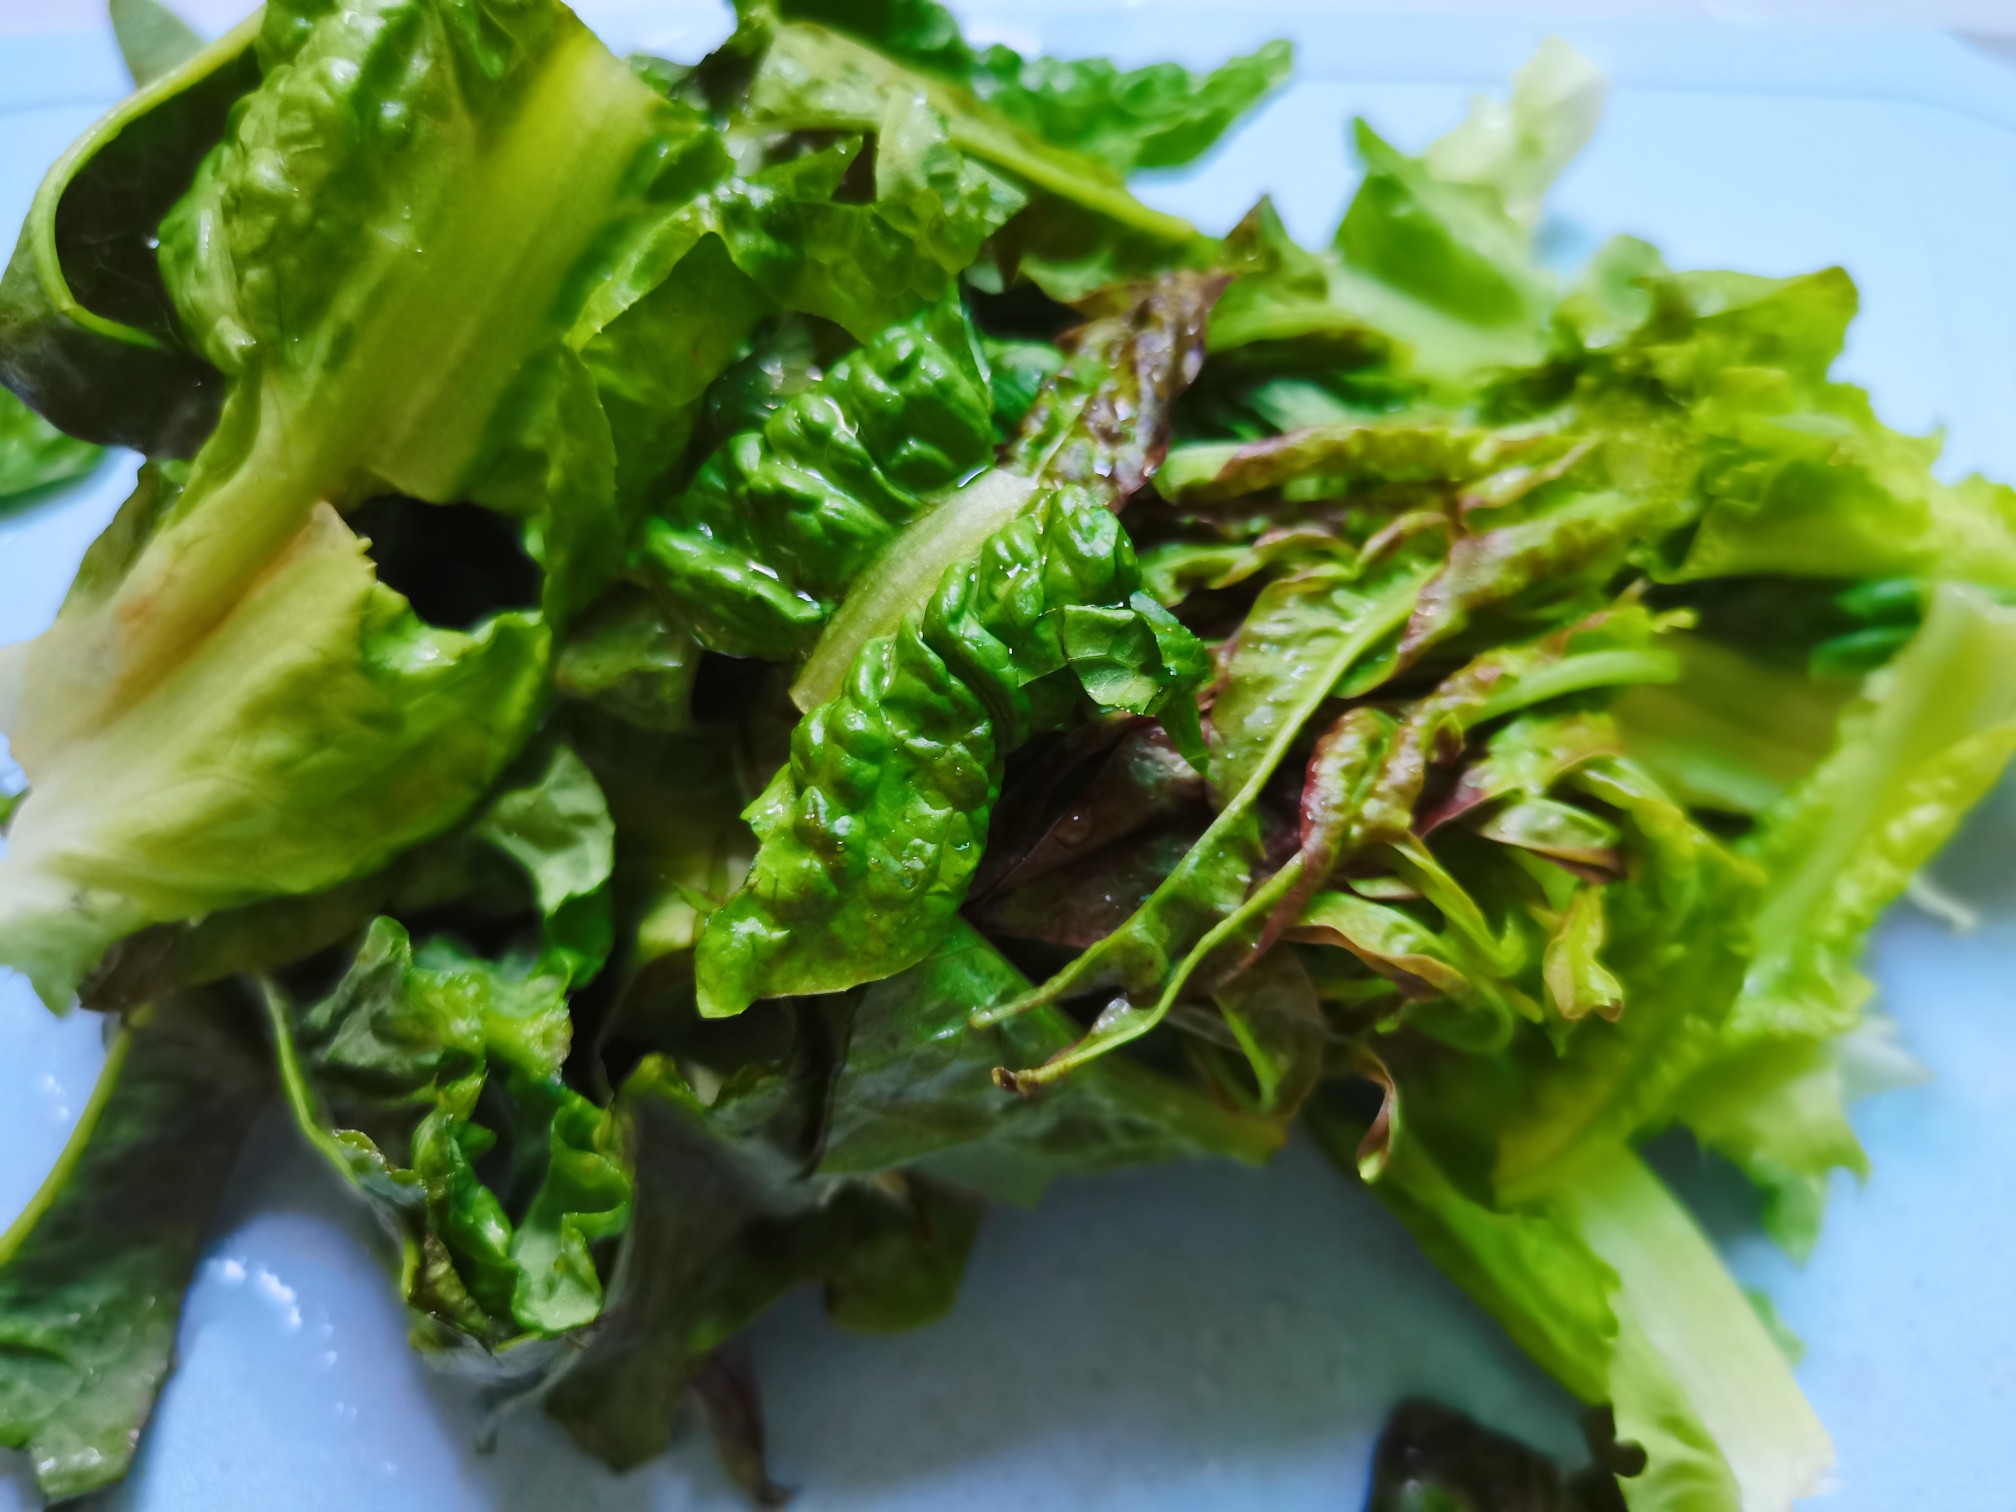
[(1206, 1337)]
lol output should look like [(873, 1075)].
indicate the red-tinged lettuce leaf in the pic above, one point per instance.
[(1142, 781), (1528, 757), (1103, 421), (1215, 903), (1368, 778), (1344, 772), (93, 1271), (1290, 658), (1401, 451), (1390, 942), (1568, 835), (1316, 635), (1078, 906), (1306, 635), (1540, 564)]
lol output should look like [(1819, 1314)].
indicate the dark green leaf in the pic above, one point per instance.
[(88, 334), (92, 1273)]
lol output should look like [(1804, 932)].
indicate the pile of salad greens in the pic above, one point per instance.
[(715, 665)]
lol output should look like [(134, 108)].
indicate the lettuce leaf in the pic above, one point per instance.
[(93, 1271), (425, 1059), (1431, 275), (34, 454), (1161, 116), (778, 522), (1607, 1282)]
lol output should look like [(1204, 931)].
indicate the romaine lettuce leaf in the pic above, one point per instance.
[(88, 334), (776, 524), (1606, 1281)]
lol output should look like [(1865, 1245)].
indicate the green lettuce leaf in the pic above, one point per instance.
[(814, 79), (1518, 147), (871, 835), (779, 521), (845, 1160), (152, 39), (1607, 1282), (1081, 229), (34, 454), (628, 659), (93, 1271), (1431, 275), (1161, 116), (726, 1223), (1100, 421), (425, 1059), (392, 1079), (1930, 736)]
